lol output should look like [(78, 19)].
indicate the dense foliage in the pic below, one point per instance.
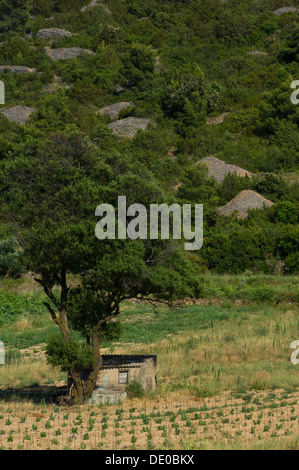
[(204, 69), (13, 306)]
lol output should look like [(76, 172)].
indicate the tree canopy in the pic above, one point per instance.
[(53, 192)]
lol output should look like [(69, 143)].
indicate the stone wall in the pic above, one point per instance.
[(145, 375)]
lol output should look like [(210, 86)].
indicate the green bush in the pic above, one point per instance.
[(135, 390), (261, 294), (64, 355), (231, 27), (10, 258), (43, 7), (286, 212), (272, 186), (292, 263), (288, 243), (139, 64), (13, 15)]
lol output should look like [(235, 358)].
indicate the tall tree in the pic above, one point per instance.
[(54, 188)]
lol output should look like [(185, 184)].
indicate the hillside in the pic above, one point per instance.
[(167, 83)]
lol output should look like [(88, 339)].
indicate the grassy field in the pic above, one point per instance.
[(225, 379)]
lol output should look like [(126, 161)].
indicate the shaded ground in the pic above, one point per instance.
[(36, 394)]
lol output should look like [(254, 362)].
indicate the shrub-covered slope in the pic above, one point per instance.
[(201, 78)]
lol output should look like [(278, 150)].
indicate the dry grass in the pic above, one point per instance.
[(242, 354), (245, 352), (29, 372)]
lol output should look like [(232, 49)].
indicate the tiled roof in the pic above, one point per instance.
[(115, 361)]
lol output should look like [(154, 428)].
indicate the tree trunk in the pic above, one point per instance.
[(64, 327), (82, 386), (76, 392), (94, 373)]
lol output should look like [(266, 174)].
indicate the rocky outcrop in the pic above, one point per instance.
[(129, 127), (113, 110), (119, 89), (158, 64), (93, 4), (257, 53), (18, 114), (55, 85), (106, 10), (217, 120), (283, 10), (65, 53), (16, 69), (243, 203), (52, 33), (219, 169), (89, 6)]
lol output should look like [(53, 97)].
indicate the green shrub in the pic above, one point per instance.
[(262, 294), (135, 390), (272, 186), (286, 212), (10, 258)]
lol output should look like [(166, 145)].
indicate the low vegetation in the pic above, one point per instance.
[(250, 421)]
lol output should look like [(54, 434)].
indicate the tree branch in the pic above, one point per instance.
[(53, 314), (48, 292)]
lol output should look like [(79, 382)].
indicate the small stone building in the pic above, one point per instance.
[(118, 371)]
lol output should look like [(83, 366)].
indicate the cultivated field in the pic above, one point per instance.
[(254, 420), (224, 375)]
